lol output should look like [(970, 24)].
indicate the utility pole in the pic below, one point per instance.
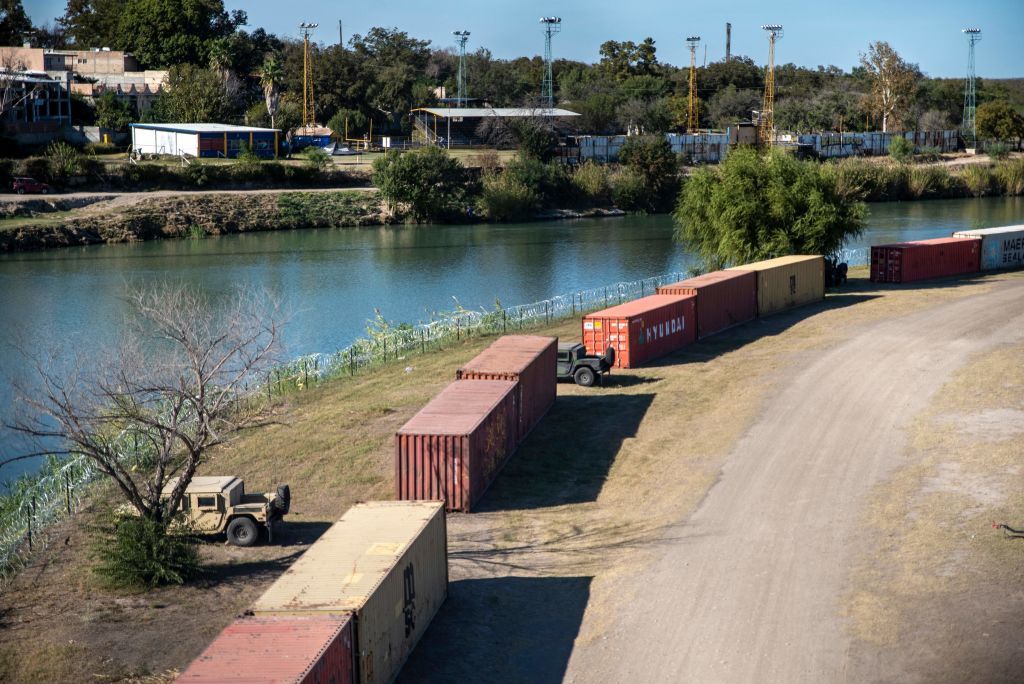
[(460, 79), (308, 112), (968, 128), (766, 126), (341, 35), (552, 25), (728, 41), (691, 118)]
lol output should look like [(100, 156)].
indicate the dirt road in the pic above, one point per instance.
[(749, 588)]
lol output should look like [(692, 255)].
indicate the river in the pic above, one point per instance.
[(332, 280)]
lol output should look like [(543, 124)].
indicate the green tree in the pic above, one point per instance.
[(114, 112), (730, 105), (428, 182), (650, 158), (194, 95), (757, 206), (999, 121), (94, 23), (271, 74), (15, 26), (893, 82)]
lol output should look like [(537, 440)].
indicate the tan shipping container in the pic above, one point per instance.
[(787, 282), (386, 562)]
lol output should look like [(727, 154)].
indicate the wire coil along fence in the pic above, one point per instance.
[(33, 503)]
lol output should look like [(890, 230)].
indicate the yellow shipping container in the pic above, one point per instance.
[(787, 282), (386, 563)]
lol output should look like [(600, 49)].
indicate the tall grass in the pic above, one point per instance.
[(1010, 176), (979, 180)]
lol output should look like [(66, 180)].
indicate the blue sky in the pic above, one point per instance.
[(923, 31)]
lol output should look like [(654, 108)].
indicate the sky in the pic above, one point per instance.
[(926, 32)]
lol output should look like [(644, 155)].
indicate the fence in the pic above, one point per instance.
[(35, 503)]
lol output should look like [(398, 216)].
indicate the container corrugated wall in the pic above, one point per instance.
[(787, 282), (456, 445), (386, 562), (529, 359), (311, 649), (724, 299), (906, 262), (1000, 247), (642, 330)]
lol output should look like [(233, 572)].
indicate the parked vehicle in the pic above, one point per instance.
[(575, 364), (218, 505), (31, 186)]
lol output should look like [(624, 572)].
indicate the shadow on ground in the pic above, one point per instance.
[(502, 631), (291, 539), (567, 457)]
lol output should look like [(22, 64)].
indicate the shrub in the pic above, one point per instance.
[(758, 206), (978, 180), (548, 182), (506, 198), (929, 153), (651, 158), (997, 151), (64, 161), (133, 551), (427, 181), (316, 159), (1010, 175), (196, 174), (593, 182), (928, 181), (901, 149), (534, 139), (629, 192), (102, 148), (247, 166)]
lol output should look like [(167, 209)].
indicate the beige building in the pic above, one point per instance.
[(101, 67)]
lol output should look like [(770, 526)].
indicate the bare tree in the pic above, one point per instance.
[(893, 81), (12, 82), (177, 385)]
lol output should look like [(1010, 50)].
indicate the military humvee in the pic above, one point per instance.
[(220, 504)]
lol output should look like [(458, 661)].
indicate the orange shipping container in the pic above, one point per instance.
[(642, 330), (315, 649), (531, 360), (456, 445), (724, 299)]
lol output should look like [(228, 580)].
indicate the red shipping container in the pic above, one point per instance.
[(454, 447), (904, 262), (724, 299), (314, 649), (531, 360), (643, 329)]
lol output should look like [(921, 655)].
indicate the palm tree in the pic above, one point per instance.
[(271, 75), (220, 58)]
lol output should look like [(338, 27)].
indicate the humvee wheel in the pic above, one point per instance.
[(242, 532), (584, 377)]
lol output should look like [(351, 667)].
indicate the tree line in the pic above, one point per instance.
[(225, 71)]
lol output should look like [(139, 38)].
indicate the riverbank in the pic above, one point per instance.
[(561, 530)]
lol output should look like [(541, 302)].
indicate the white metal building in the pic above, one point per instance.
[(203, 139)]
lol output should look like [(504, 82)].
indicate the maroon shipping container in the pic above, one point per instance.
[(530, 359), (724, 299), (643, 329), (904, 262), (454, 447), (315, 649)]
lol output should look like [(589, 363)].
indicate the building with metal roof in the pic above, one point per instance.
[(460, 126), (204, 139)]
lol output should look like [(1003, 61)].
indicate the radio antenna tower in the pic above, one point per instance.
[(308, 113), (552, 25), (691, 118), (766, 129), (460, 79), (969, 128)]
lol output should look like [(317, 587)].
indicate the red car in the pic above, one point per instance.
[(29, 185)]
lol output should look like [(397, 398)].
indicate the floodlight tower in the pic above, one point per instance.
[(460, 79), (766, 129), (691, 119), (969, 128), (552, 25), (308, 112)]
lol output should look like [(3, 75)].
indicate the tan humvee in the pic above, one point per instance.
[(220, 504)]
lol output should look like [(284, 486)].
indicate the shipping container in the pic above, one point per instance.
[(1000, 247), (454, 447), (787, 282), (905, 262), (531, 360), (312, 649), (643, 329), (386, 563), (724, 299)]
